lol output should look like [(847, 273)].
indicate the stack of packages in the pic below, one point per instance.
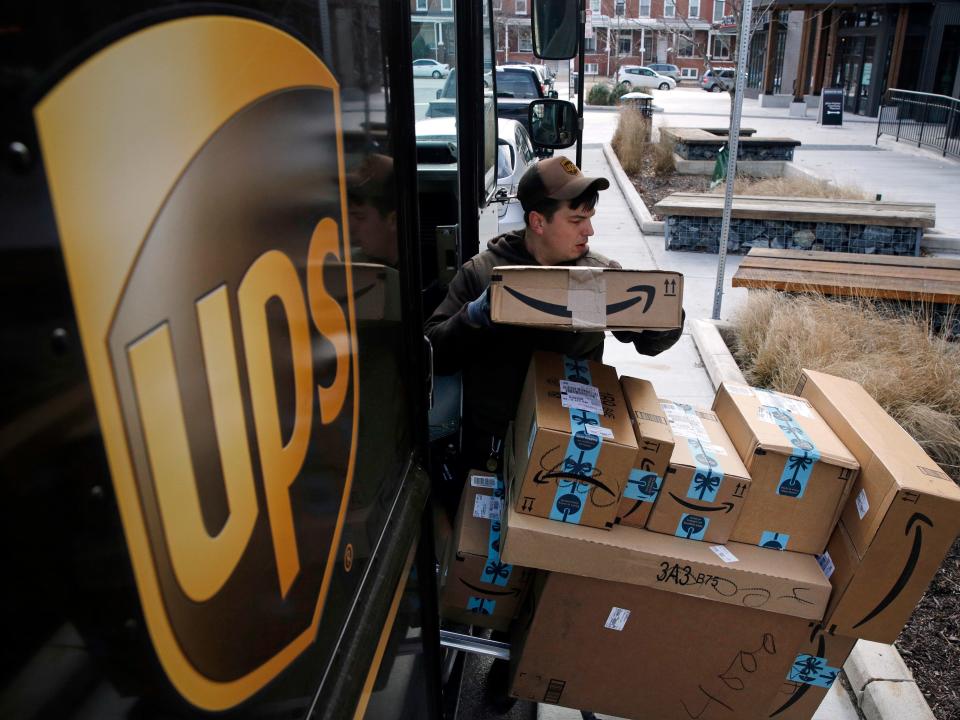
[(658, 560)]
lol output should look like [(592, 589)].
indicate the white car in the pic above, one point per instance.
[(424, 67), (637, 76), (436, 144)]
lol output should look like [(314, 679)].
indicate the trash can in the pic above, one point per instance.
[(640, 101)]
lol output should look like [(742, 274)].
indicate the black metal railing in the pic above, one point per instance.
[(929, 120)]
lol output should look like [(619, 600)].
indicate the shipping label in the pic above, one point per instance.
[(863, 507), (721, 552), (826, 564), (580, 396), (483, 481), (617, 619), (684, 422)]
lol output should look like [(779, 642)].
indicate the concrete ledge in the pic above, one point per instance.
[(716, 356), (933, 241), (872, 661), (891, 700), (638, 209)]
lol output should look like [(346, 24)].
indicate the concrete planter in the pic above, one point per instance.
[(776, 101), (638, 209), (798, 109)]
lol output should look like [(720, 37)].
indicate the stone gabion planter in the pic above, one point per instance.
[(754, 150), (702, 234)]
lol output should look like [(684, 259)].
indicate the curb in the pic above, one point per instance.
[(638, 209), (883, 686)]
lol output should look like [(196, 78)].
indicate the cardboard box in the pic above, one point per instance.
[(573, 443), (376, 291), (801, 471), (902, 516), (744, 575), (477, 587), (814, 670), (655, 442), (706, 483), (636, 652), (579, 298)]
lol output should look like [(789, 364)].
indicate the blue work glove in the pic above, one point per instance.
[(478, 311)]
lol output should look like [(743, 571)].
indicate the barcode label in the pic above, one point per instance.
[(721, 552), (483, 481), (685, 424), (826, 564), (863, 507), (600, 431), (617, 619), (486, 507), (795, 406), (580, 397)]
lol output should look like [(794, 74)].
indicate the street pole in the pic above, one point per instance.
[(733, 145)]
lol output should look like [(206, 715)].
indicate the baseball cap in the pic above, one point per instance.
[(556, 178)]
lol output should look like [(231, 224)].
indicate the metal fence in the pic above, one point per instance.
[(923, 118)]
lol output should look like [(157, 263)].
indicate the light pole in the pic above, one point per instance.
[(733, 143)]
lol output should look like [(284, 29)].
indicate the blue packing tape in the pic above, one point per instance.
[(481, 606), (583, 449), (799, 466), (495, 571), (812, 670), (643, 485), (692, 527), (774, 540), (708, 476)]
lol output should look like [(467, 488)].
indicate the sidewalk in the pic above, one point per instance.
[(847, 155)]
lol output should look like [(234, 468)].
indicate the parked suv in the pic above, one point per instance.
[(636, 76), (671, 71), (718, 80)]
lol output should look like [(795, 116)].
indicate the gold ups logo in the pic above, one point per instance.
[(196, 170)]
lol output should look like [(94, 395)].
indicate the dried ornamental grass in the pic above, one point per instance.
[(629, 140), (912, 373), (794, 186)]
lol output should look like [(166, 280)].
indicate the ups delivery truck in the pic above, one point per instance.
[(214, 271)]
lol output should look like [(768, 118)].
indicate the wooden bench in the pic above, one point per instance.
[(911, 279), (692, 222)]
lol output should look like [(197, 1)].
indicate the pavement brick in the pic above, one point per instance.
[(889, 700)]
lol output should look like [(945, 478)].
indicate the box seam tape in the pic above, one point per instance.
[(587, 297)]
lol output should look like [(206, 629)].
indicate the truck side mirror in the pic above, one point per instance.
[(556, 25), (553, 123)]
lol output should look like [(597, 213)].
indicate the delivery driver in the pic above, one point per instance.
[(558, 203)]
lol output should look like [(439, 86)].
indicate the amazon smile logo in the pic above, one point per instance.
[(916, 522), (646, 294)]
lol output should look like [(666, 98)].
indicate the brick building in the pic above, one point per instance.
[(433, 31), (631, 32)]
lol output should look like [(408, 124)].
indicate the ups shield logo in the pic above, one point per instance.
[(201, 213)]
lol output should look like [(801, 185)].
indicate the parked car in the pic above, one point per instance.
[(425, 67), (671, 71), (437, 148), (545, 74), (517, 86), (638, 76), (718, 80)]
